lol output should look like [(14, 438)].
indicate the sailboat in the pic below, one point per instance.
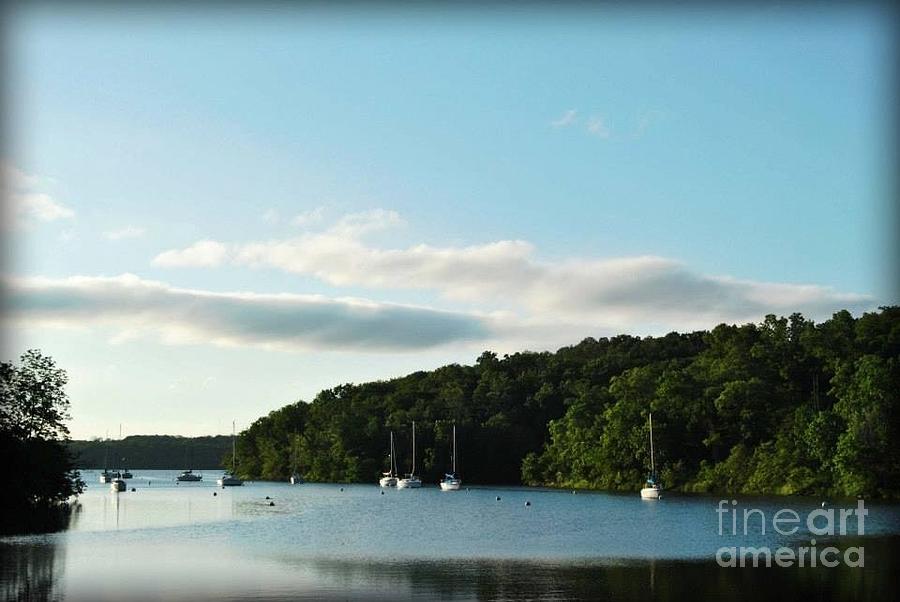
[(389, 478), (653, 488), (188, 475), (106, 476), (411, 481), (229, 479), (451, 482)]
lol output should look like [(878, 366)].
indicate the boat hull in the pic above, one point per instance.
[(651, 493), (388, 481), (451, 485), (229, 482), (409, 483), (296, 480), (117, 485), (189, 478)]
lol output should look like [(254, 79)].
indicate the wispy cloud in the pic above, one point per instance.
[(201, 254), (596, 126), (645, 120), (306, 218), (26, 203), (123, 233), (628, 292), (279, 321), (566, 119), (270, 216)]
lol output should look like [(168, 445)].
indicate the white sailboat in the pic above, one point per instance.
[(106, 476), (229, 479), (411, 481), (296, 479), (389, 478), (653, 488), (451, 482)]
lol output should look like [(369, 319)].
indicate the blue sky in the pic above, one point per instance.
[(503, 178)]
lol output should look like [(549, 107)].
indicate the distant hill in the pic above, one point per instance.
[(154, 452)]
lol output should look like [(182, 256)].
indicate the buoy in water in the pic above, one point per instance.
[(268, 498), (498, 498), (382, 493), (342, 488), (271, 503), (133, 489), (527, 503), (215, 494)]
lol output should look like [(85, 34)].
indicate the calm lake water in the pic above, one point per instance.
[(182, 542)]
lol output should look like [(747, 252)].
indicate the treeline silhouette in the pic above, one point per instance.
[(34, 409), (786, 406), (152, 452)]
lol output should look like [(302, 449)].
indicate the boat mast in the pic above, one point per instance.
[(233, 453), (413, 472), (652, 464), (454, 449), (392, 454)]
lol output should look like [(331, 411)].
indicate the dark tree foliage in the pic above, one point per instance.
[(786, 406), (153, 452), (33, 433)]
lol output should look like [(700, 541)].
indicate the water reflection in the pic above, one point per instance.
[(33, 571), (197, 541), (658, 580)]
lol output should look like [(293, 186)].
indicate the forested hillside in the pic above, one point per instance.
[(785, 406), (153, 452)]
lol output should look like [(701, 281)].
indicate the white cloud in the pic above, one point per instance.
[(138, 307), (596, 126), (26, 203), (621, 293), (306, 218), (566, 119), (16, 179), (123, 233), (201, 254), (39, 206)]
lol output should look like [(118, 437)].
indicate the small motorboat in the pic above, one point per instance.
[(189, 476)]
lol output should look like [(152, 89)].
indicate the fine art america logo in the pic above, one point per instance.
[(821, 522)]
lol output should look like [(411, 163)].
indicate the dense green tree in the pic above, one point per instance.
[(784, 406), (34, 408)]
